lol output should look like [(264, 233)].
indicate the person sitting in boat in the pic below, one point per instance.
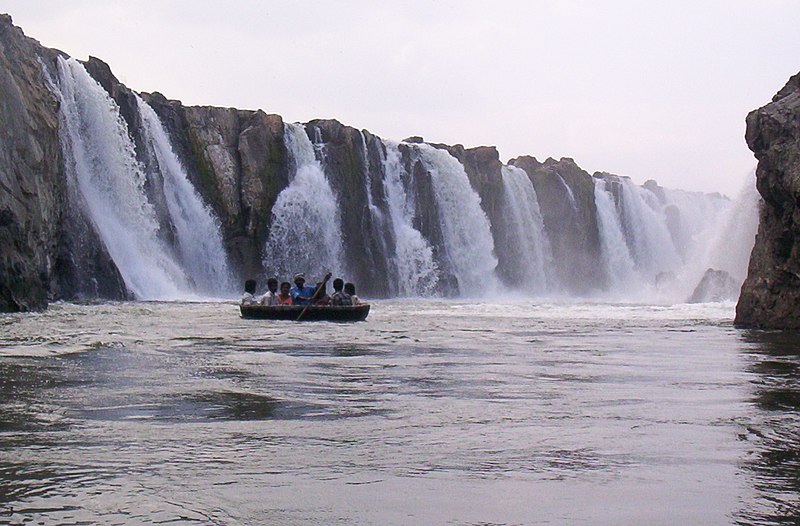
[(351, 290), (284, 298), (248, 298), (339, 297), (321, 295), (271, 296), (300, 292)]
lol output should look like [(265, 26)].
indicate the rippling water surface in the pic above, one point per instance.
[(430, 412)]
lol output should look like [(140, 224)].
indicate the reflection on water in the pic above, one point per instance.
[(774, 462), (428, 413)]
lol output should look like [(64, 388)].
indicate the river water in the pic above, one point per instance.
[(430, 412)]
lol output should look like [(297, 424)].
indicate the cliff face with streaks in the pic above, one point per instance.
[(30, 174)]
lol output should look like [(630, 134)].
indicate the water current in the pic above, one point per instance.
[(430, 412)]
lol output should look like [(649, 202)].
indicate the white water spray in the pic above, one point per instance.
[(617, 259), (527, 242), (417, 272), (305, 234), (468, 242), (102, 166), (646, 231), (197, 231)]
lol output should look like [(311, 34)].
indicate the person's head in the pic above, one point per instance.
[(299, 279), (338, 283), (250, 286), (272, 285), (285, 286), (350, 288)]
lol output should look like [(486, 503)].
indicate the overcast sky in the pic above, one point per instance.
[(646, 89)]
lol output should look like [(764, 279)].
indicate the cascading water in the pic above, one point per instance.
[(197, 231), (526, 243), (305, 234), (657, 242), (726, 240), (735, 234), (617, 259), (417, 274), (646, 231), (102, 167), (468, 244)]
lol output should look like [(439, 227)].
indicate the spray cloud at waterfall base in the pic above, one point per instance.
[(400, 219)]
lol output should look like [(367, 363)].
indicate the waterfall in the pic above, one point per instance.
[(468, 244), (570, 194), (657, 242), (735, 236), (646, 231), (102, 168), (526, 243), (417, 274), (197, 231), (305, 232), (619, 265), (724, 238)]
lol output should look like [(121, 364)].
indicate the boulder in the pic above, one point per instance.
[(715, 286)]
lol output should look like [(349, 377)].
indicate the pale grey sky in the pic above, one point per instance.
[(646, 89)]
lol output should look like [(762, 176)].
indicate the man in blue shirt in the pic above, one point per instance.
[(301, 293)]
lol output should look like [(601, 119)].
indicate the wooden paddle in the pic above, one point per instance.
[(314, 296)]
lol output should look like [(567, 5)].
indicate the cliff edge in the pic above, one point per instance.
[(770, 297)]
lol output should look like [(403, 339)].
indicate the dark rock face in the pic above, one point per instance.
[(716, 285), (31, 180), (566, 200), (770, 295)]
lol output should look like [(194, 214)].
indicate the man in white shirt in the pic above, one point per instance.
[(248, 297), (271, 296)]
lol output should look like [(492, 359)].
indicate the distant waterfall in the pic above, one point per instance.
[(468, 243), (617, 259), (102, 166), (530, 257), (417, 272), (646, 231), (305, 234), (197, 231), (657, 242), (724, 241)]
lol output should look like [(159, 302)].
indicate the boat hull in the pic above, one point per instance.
[(312, 313)]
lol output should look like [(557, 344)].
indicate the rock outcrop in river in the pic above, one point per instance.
[(108, 193), (770, 296)]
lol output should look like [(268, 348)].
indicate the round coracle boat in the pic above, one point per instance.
[(306, 312)]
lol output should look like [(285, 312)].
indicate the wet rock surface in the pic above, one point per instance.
[(770, 295)]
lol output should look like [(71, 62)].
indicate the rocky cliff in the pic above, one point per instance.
[(770, 296), (30, 173)]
